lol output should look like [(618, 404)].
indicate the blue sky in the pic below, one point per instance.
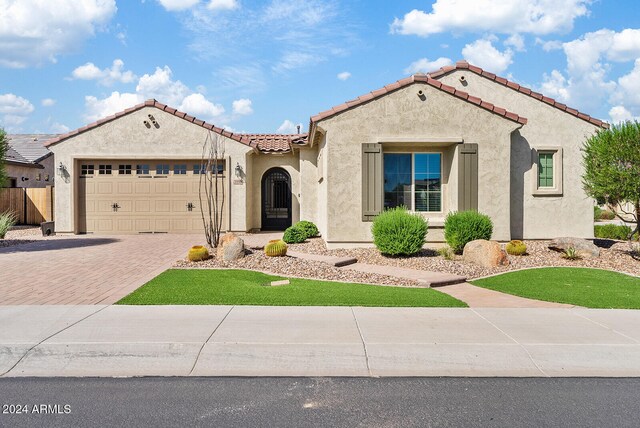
[(266, 66)]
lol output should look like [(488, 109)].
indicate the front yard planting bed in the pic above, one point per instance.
[(241, 287), (591, 288)]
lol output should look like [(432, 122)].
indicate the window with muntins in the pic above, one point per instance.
[(413, 180), (142, 169), (124, 169), (88, 170), (104, 169), (180, 169), (545, 170), (162, 169)]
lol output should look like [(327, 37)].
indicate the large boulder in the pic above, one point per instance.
[(230, 248), (585, 249), (485, 253)]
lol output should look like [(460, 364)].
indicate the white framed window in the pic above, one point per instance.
[(142, 169), (87, 169), (547, 171), (162, 169), (413, 180), (104, 169), (180, 169), (124, 169)]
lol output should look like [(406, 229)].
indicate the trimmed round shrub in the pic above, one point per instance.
[(462, 227), (396, 232), (198, 253), (293, 235), (276, 248), (310, 230), (516, 248)]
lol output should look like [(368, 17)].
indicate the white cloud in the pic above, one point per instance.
[(293, 60), (14, 110), (586, 85), (345, 75), (100, 108), (506, 17), (483, 54), (222, 5), (36, 31), (162, 87), (288, 127), (59, 128), (177, 5), (550, 45), (516, 41), (106, 77), (621, 114), (47, 102), (423, 65), (242, 106), (198, 105)]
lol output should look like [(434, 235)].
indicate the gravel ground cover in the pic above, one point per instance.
[(614, 256), (18, 235)]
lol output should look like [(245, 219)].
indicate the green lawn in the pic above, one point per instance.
[(591, 288), (241, 287)]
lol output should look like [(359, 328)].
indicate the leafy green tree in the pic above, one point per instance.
[(3, 153), (612, 169)]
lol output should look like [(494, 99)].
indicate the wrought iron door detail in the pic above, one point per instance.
[(276, 199)]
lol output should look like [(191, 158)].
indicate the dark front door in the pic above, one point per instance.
[(276, 199)]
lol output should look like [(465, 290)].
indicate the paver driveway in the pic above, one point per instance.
[(71, 270)]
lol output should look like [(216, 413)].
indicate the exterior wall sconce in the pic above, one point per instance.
[(239, 172), (62, 170)]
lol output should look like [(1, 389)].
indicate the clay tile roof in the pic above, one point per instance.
[(277, 143), (464, 65), (423, 78), (151, 103)]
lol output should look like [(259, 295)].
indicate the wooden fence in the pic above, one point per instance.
[(31, 205)]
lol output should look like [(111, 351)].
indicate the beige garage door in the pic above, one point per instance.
[(140, 197)]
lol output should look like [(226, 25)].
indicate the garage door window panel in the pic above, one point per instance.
[(142, 169), (124, 169), (104, 169)]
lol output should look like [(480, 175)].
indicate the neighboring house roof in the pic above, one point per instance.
[(153, 103), (277, 143), (422, 78), (27, 149), (464, 65)]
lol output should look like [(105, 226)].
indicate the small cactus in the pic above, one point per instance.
[(516, 248), (276, 248), (198, 253)]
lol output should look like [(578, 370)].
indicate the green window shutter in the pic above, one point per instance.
[(468, 177), (545, 170), (371, 181)]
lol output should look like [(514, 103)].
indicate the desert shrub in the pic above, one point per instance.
[(516, 248), (7, 221), (462, 227), (446, 253), (597, 212), (310, 230), (607, 215), (198, 253), (294, 235), (571, 254), (276, 248), (612, 231), (397, 232)]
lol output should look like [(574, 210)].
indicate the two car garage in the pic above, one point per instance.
[(140, 196)]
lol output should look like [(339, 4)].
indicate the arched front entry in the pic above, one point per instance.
[(276, 199)]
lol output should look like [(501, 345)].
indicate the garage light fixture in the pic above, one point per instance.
[(238, 170), (62, 170)]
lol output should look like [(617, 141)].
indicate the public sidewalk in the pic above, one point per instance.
[(316, 341)]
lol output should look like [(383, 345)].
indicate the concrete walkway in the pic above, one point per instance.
[(478, 297), (316, 341), (426, 278)]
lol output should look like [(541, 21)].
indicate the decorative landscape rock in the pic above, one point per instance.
[(230, 248), (585, 249), (485, 253)]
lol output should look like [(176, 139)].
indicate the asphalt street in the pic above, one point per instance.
[(326, 402)]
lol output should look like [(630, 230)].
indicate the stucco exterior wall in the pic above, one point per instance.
[(309, 184), (128, 138), (539, 217), (261, 163), (404, 116), (28, 176)]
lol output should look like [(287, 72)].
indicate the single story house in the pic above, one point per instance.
[(28, 162), (456, 139)]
